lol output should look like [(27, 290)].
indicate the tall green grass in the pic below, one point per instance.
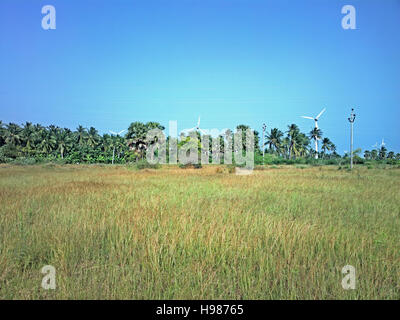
[(115, 233)]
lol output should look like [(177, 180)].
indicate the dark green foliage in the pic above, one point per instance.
[(143, 164), (34, 143)]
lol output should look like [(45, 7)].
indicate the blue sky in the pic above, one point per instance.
[(110, 63)]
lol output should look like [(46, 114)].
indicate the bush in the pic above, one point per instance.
[(143, 164), (190, 166), (22, 161)]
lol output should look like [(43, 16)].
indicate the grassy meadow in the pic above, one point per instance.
[(172, 233)]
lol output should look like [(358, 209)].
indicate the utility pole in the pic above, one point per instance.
[(351, 120), (264, 127), (113, 155)]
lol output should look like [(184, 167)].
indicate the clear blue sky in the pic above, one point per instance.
[(110, 63)]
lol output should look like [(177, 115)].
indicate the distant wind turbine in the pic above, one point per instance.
[(316, 126), (196, 128)]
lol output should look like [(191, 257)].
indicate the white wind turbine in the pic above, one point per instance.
[(116, 134), (196, 128), (381, 145), (316, 126)]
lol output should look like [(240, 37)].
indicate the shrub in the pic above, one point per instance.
[(22, 161), (143, 164), (190, 166)]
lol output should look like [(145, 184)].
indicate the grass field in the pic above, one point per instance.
[(118, 233)]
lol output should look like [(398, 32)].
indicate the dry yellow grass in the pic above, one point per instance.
[(117, 233)]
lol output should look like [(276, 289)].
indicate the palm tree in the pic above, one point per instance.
[(274, 139), (333, 147), (92, 137), (374, 154), (326, 145), (284, 147), (303, 142), (382, 152), (2, 132), (63, 141), (29, 136), (80, 135), (47, 141), (367, 154), (390, 155), (136, 137), (13, 134), (294, 138), (315, 134)]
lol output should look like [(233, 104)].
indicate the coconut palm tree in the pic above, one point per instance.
[(367, 154), (293, 134), (303, 142), (47, 142), (2, 132), (29, 137), (374, 154), (80, 135), (315, 134), (92, 138), (382, 152), (63, 141), (13, 134), (274, 139), (390, 155), (326, 145)]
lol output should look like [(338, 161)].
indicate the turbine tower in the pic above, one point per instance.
[(196, 128), (316, 126)]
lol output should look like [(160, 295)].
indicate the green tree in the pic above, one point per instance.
[(382, 152), (13, 134), (293, 135), (47, 141), (274, 140), (92, 137), (367, 154), (80, 135), (29, 137), (315, 134), (63, 141), (326, 146)]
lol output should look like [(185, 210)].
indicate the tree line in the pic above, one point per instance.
[(35, 143)]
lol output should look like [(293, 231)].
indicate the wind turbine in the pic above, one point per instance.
[(381, 145), (316, 126), (196, 128), (116, 134)]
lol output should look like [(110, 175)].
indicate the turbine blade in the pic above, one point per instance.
[(198, 122), (121, 131), (112, 132), (305, 117), (323, 110)]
